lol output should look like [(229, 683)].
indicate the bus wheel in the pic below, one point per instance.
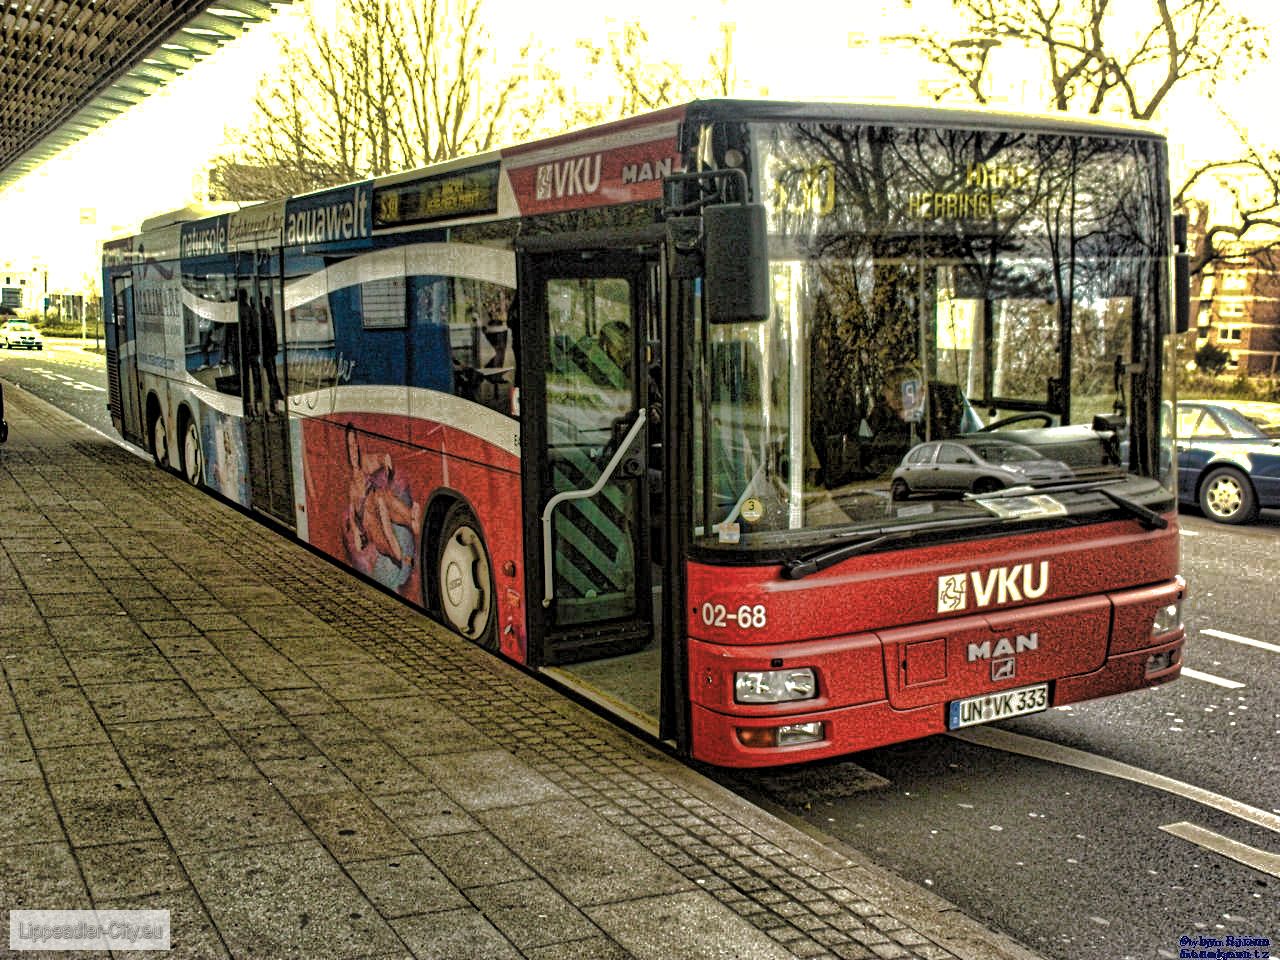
[(464, 578), (192, 458), (159, 441), (1227, 497)]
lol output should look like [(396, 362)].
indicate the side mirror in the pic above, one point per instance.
[(736, 259), (1181, 276)]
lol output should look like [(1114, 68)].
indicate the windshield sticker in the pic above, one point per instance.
[(729, 532), (1024, 508)]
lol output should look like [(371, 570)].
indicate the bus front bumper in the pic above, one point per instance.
[(784, 734)]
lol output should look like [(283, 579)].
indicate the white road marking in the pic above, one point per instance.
[(1010, 742), (1188, 533), (67, 381), (1210, 678), (1236, 638), (1261, 860)]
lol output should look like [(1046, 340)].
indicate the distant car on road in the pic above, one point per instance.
[(1227, 465), (19, 333), (973, 465)]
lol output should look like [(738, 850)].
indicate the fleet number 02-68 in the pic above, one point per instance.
[(747, 616)]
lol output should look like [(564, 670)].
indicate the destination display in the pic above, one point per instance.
[(466, 193)]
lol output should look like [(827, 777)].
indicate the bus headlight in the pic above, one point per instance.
[(774, 686), (1168, 618)]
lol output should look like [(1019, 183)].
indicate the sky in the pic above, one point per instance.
[(149, 160)]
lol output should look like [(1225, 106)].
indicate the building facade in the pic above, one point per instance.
[(1238, 309)]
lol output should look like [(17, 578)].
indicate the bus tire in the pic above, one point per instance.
[(464, 578), (1227, 497), (158, 434), (191, 452)]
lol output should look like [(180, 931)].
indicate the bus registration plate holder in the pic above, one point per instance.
[(997, 706)]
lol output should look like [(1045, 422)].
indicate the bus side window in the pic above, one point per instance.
[(483, 361)]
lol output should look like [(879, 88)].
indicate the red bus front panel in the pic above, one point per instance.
[(1073, 609)]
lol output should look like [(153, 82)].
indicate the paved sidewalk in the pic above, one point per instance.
[(198, 715)]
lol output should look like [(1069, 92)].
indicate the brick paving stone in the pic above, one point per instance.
[(426, 813), (34, 875), (103, 811), (136, 868), (350, 826), (474, 859), (454, 935), (147, 700), (288, 900), (201, 817), (294, 776), (400, 886), (530, 913)]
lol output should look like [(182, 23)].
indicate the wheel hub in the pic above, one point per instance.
[(464, 583), (1224, 497)]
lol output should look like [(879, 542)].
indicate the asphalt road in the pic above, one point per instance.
[(67, 373), (1072, 862)]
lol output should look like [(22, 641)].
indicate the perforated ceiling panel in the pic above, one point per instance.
[(69, 66)]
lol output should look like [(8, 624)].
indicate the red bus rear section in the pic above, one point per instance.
[(887, 660)]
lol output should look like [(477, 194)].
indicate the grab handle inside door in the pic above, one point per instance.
[(548, 573)]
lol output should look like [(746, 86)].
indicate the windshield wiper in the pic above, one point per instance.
[(869, 540), (1149, 519)]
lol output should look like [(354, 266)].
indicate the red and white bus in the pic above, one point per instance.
[(783, 430)]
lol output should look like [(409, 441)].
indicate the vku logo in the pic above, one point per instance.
[(997, 586), (568, 178)]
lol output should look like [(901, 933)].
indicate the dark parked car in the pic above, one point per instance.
[(1227, 465), (973, 465), (1265, 415)]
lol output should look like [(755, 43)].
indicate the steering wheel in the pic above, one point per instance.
[(1046, 418)]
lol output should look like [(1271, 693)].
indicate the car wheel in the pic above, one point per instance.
[(192, 459), (986, 485), (464, 578), (900, 490), (1227, 497)]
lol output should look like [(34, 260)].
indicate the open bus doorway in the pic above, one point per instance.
[(594, 474)]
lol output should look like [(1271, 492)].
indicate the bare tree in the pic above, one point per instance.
[(1093, 61), (393, 85), (643, 82), (1253, 180)]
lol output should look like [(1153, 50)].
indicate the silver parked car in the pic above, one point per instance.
[(19, 333), (973, 465)]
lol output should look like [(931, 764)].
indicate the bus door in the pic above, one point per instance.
[(122, 362), (262, 386), (590, 326)]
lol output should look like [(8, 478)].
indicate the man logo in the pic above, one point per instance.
[(953, 592), (1003, 669)]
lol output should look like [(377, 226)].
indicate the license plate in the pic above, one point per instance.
[(997, 706)]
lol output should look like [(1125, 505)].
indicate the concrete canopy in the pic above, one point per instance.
[(69, 66)]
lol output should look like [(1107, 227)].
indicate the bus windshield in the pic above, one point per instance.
[(959, 315)]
